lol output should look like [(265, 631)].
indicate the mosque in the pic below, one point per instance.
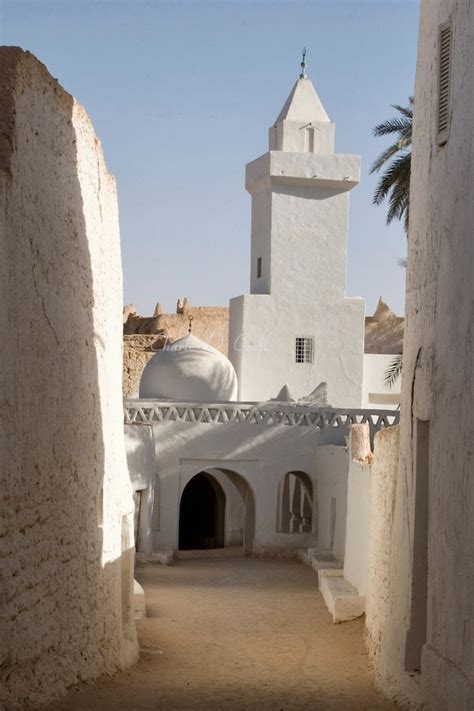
[(251, 450)]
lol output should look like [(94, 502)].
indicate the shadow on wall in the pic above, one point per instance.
[(62, 615)]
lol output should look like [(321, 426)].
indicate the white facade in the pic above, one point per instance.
[(422, 607), (300, 201), (280, 470), (376, 392)]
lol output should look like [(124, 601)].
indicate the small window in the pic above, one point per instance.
[(304, 349), (444, 80), (259, 267)]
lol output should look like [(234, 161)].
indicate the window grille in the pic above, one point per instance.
[(259, 267), (304, 349), (444, 79)]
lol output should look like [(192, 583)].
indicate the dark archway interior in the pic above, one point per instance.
[(201, 514)]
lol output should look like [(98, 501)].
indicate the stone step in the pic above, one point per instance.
[(341, 598)]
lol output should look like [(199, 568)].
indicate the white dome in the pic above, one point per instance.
[(189, 371)]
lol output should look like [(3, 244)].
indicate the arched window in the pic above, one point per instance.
[(295, 504)]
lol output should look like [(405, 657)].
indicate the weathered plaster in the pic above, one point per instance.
[(438, 386), (67, 542)]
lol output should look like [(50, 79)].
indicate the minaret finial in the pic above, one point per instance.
[(303, 65), (190, 321)]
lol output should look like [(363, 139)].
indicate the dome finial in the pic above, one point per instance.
[(190, 321), (303, 65)]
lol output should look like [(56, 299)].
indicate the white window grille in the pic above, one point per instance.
[(444, 80), (304, 349)]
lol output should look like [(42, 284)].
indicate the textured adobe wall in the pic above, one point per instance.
[(67, 523), (383, 482), (144, 335), (433, 526), (137, 351)]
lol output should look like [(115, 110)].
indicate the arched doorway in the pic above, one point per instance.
[(202, 514)]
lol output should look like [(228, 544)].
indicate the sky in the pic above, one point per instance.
[(182, 94)]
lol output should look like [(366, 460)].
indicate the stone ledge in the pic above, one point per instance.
[(165, 556), (317, 560), (341, 598)]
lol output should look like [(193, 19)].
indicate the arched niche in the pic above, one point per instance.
[(295, 503)]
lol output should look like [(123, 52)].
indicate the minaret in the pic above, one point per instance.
[(296, 327)]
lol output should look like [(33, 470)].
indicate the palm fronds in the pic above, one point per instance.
[(394, 370), (394, 183)]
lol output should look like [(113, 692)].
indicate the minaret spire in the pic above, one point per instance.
[(303, 65)]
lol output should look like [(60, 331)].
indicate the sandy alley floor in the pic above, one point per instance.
[(237, 633)]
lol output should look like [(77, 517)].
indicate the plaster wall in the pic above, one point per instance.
[(67, 542), (384, 474), (357, 522), (261, 246), (332, 463), (376, 393), (140, 452), (431, 557), (234, 506), (260, 455), (262, 347)]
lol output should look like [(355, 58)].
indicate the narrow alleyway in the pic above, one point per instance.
[(237, 633)]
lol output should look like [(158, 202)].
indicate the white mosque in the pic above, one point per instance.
[(247, 451)]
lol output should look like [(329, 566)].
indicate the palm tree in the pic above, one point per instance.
[(395, 181), (395, 185)]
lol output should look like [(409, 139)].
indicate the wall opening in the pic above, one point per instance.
[(137, 500), (202, 514), (259, 267), (416, 635), (295, 504), (309, 140), (444, 79), (303, 349)]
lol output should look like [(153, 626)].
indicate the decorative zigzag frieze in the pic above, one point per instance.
[(149, 412)]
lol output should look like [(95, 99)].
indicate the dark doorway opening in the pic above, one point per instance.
[(202, 514)]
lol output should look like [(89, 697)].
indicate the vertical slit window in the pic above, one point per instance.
[(259, 267), (444, 81)]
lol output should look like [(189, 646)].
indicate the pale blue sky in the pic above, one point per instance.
[(182, 94)]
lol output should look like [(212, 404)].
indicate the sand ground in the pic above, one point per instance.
[(237, 633)]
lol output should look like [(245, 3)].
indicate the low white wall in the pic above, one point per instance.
[(384, 473), (376, 394), (331, 494), (357, 525), (140, 451)]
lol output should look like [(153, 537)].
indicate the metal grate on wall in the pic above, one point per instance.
[(304, 349)]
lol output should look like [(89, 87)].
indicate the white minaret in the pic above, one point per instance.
[(296, 327)]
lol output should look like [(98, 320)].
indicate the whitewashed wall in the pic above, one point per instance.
[(376, 393), (66, 507), (429, 599)]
